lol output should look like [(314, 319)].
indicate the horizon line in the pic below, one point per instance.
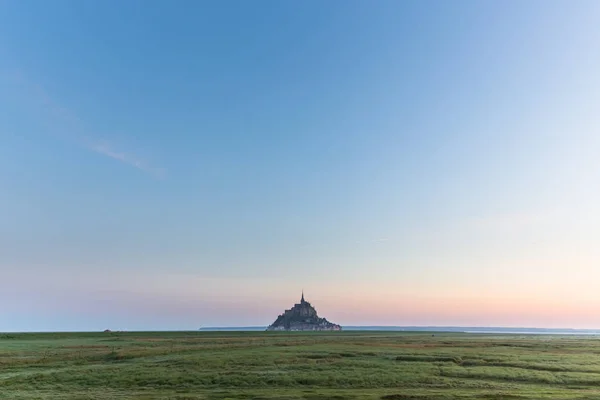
[(360, 327), (420, 327)]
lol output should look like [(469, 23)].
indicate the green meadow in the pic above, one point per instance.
[(280, 365)]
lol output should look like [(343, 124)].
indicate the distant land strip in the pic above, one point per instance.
[(457, 329)]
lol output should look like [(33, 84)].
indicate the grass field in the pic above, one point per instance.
[(346, 365)]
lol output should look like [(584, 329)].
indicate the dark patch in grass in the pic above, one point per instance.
[(368, 354), (322, 356), (427, 358), (115, 339)]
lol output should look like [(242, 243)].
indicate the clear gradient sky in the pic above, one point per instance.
[(167, 165)]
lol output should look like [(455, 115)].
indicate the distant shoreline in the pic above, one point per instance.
[(348, 328), (450, 329)]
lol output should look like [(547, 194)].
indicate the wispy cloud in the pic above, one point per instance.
[(127, 158), (72, 127)]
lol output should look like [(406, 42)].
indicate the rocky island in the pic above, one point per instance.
[(302, 317)]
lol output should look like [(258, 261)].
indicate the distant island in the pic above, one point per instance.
[(302, 317)]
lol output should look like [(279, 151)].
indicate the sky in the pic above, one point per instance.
[(172, 165)]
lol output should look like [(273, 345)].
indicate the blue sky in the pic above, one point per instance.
[(171, 165)]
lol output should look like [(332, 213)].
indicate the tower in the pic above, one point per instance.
[(302, 299)]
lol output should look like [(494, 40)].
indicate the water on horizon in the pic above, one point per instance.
[(458, 329)]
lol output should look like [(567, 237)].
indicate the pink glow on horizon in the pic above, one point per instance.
[(193, 301)]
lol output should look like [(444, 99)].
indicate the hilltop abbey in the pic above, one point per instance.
[(302, 317)]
